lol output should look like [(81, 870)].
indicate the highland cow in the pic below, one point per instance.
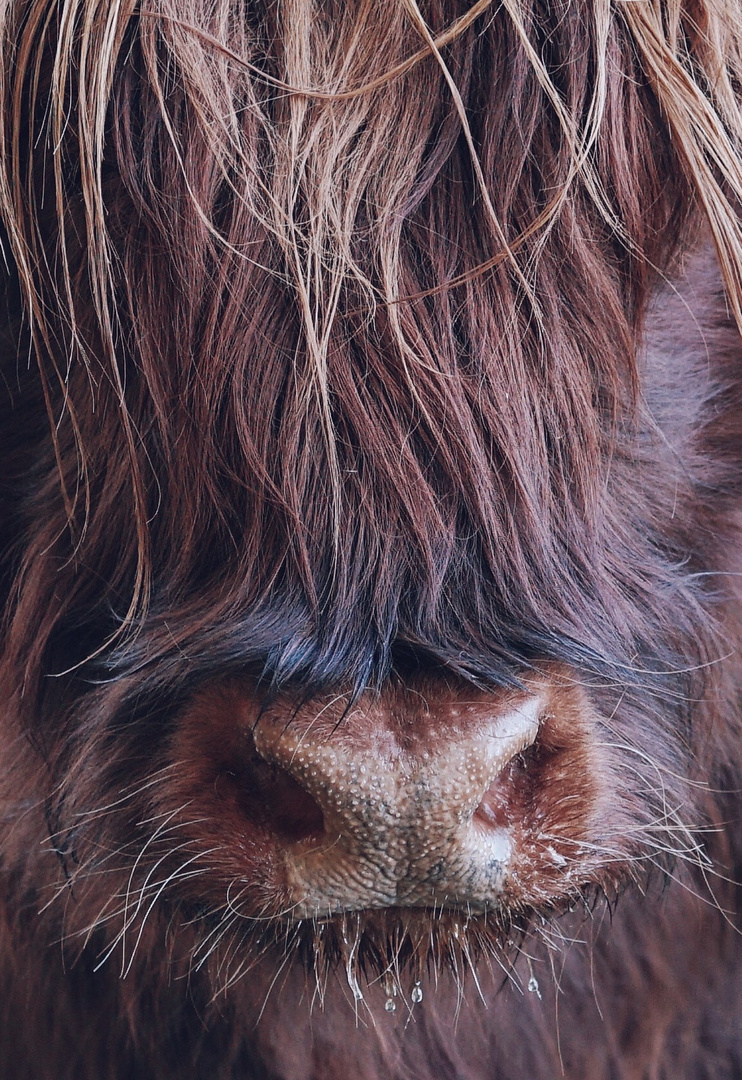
[(371, 420)]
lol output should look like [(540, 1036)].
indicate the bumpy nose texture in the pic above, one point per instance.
[(400, 823)]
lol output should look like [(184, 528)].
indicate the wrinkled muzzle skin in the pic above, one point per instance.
[(371, 542)]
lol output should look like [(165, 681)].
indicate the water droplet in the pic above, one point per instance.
[(390, 1005), (533, 986), (417, 993)]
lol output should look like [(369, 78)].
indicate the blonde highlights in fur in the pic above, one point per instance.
[(362, 211)]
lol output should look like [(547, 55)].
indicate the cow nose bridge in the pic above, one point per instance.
[(356, 783), (400, 813)]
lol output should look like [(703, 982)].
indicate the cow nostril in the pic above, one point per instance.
[(509, 789), (291, 810), (270, 798), (492, 810)]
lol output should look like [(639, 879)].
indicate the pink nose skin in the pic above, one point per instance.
[(401, 826)]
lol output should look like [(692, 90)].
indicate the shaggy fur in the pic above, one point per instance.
[(350, 347)]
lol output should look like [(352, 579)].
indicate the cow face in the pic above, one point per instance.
[(372, 495)]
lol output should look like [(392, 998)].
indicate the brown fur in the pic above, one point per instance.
[(363, 350)]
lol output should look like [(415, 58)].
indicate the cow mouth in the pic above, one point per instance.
[(401, 950)]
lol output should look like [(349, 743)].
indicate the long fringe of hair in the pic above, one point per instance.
[(301, 279)]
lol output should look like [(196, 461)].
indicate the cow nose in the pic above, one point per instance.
[(407, 820)]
